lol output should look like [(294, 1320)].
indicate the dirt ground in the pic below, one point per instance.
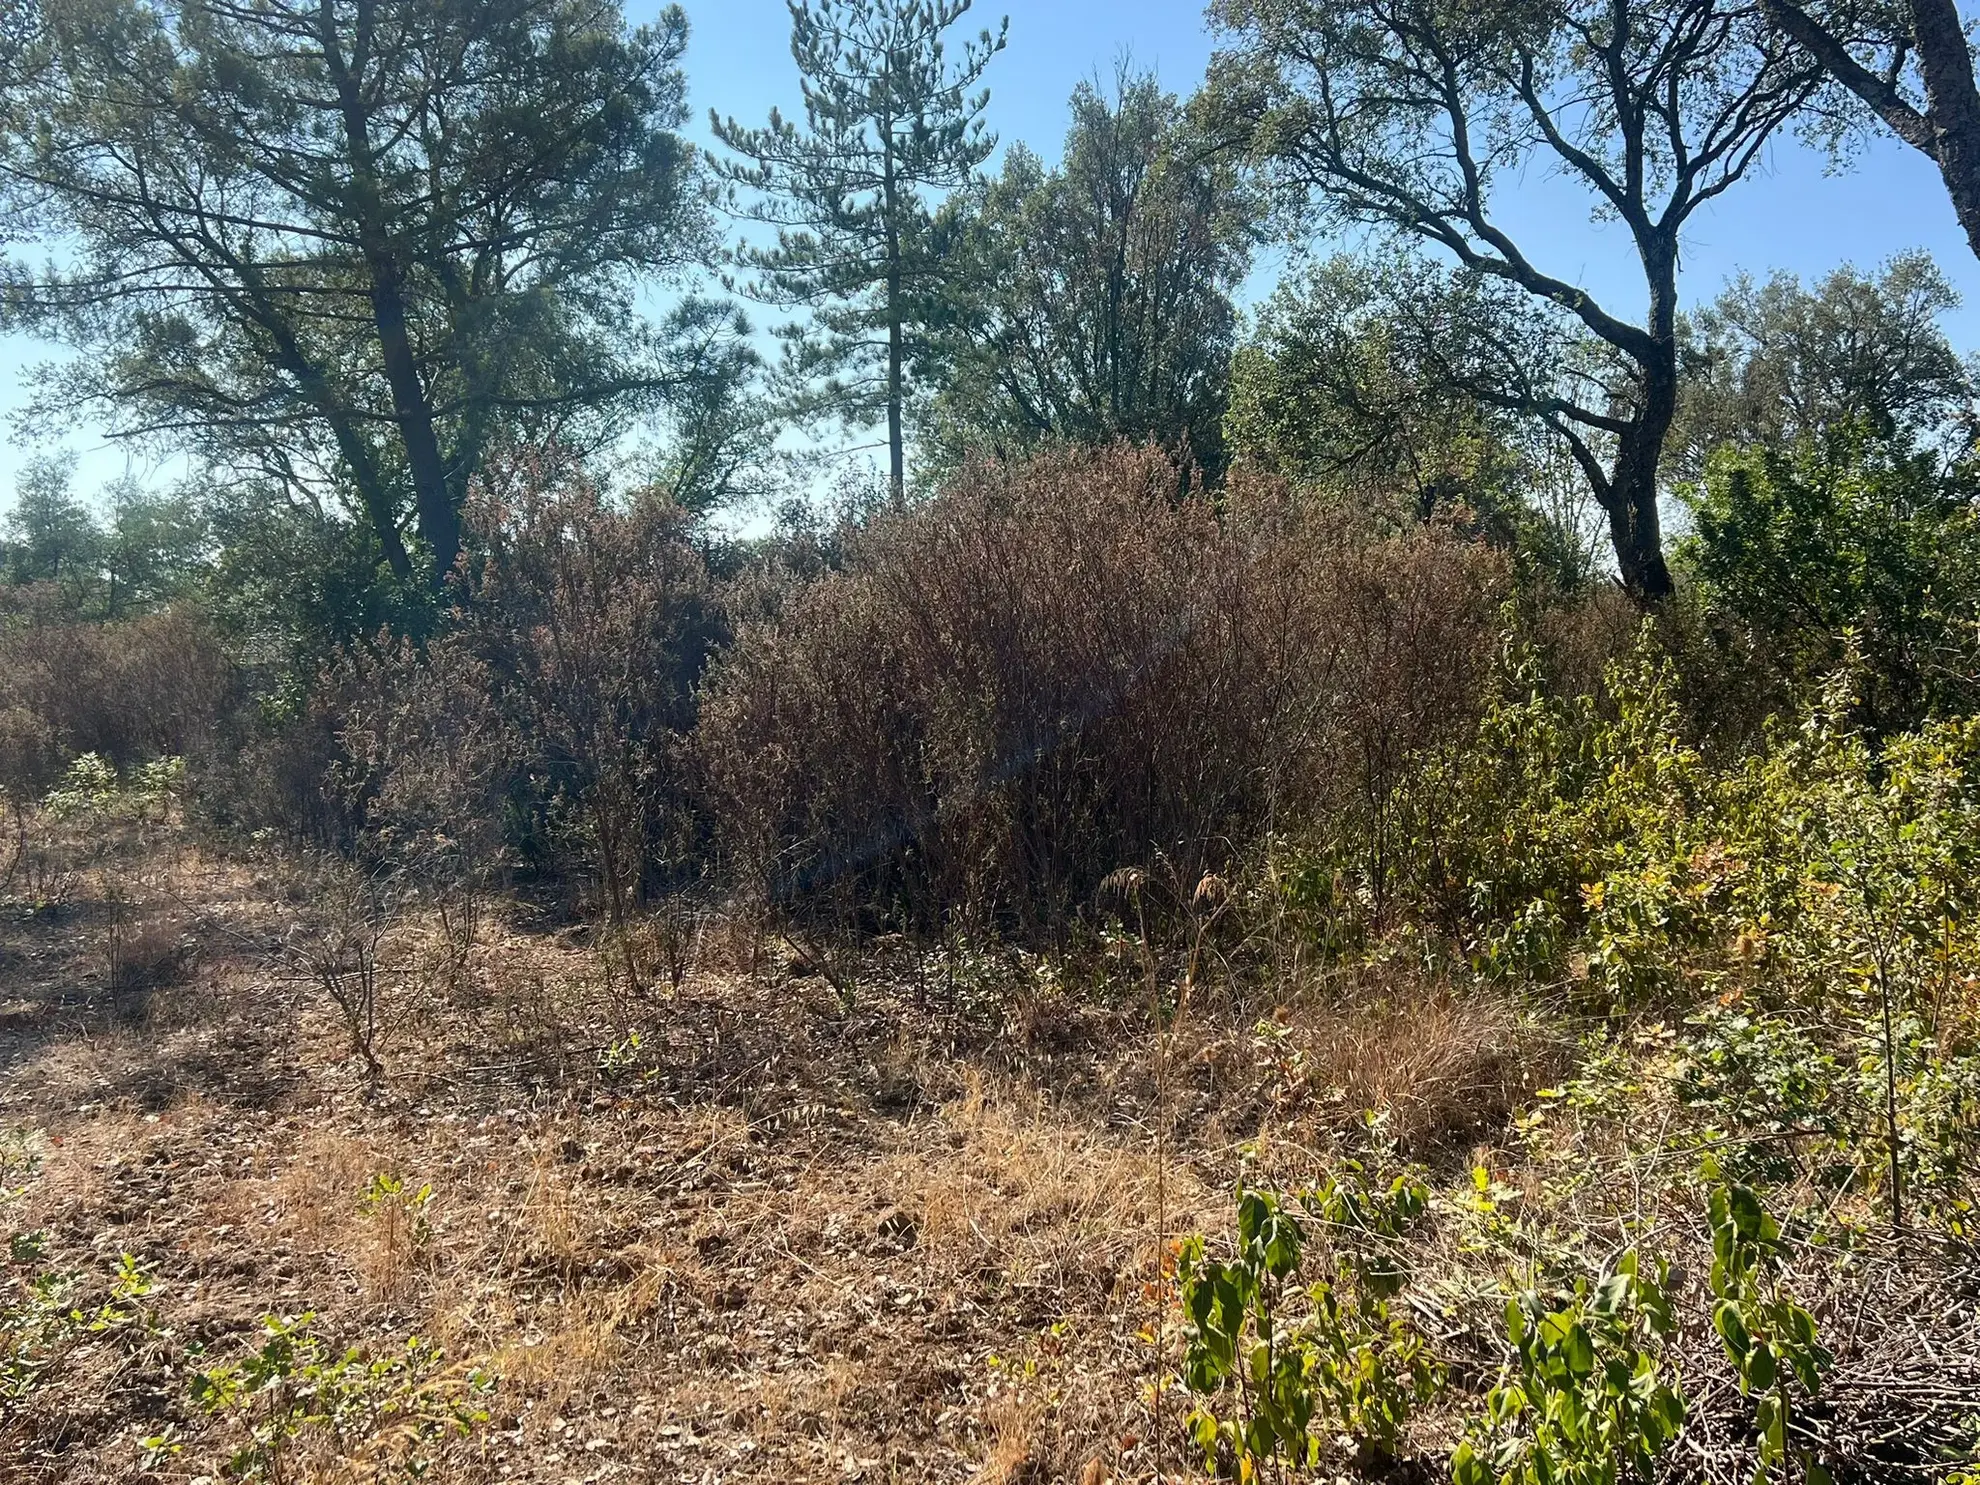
[(746, 1229)]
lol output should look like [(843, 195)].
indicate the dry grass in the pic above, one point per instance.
[(1443, 1067), (783, 1238), (757, 1252)]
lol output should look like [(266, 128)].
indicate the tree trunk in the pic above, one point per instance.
[(896, 462), (1949, 129), (364, 471), (1952, 106), (895, 355), (1636, 525), (438, 522)]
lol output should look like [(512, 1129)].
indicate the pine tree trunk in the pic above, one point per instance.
[(437, 520), (896, 461)]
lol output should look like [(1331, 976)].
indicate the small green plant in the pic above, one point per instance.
[(41, 1323), (1587, 1401), (398, 1213), (89, 787), (387, 1201), (1771, 1340), (155, 785), (623, 1060), (20, 1160), (1289, 1360), (295, 1389)]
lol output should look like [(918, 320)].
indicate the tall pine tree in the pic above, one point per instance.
[(888, 120)]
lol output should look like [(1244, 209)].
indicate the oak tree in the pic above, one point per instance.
[(1910, 63), (1406, 115)]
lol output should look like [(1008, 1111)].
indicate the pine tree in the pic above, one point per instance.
[(887, 121)]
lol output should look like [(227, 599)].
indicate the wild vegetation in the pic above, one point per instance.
[(1243, 908)]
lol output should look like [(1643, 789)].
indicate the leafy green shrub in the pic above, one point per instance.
[(1589, 1401), (1282, 1363), (295, 1391), (1560, 841), (91, 790), (1770, 1340), (1760, 1071), (1847, 541), (41, 1322), (1808, 909)]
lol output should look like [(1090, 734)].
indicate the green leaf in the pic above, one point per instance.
[(1468, 1469), (1613, 1293), (1760, 1369), (1579, 1351), (1731, 1326)]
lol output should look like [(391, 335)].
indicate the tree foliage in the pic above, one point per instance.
[(1100, 300), (347, 246), (1358, 382), (888, 120), (139, 550), (1406, 118), (1776, 362), (1848, 542)]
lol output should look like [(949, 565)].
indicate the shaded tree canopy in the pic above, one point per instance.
[(1842, 542), (889, 121), (1343, 385), (343, 246), (1100, 301), (1775, 362), (1405, 116), (1357, 382)]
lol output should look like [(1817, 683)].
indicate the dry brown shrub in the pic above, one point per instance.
[(149, 953), (1056, 668), (131, 691), (593, 623)]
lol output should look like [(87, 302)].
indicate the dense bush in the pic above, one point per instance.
[(131, 691), (544, 728), (1804, 910), (1845, 542), (1055, 669), (593, 623)]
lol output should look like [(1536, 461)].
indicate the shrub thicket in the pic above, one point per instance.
[(130, 692), (1058, 668), (1845, 543)]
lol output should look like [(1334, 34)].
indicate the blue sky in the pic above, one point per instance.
[(1795, 215)]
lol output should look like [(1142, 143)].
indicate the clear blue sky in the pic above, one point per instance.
[(1794, 216)]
